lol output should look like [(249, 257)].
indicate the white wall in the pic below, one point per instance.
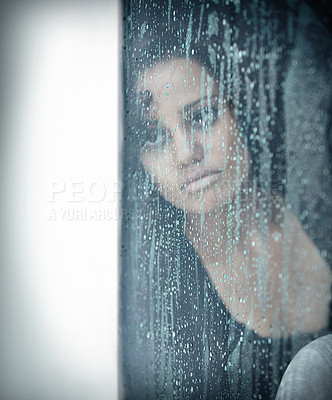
[(59, 132)]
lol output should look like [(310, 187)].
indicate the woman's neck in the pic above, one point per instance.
[(219, 235), (247, 268)]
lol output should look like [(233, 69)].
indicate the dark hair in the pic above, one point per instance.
[(243, 46)]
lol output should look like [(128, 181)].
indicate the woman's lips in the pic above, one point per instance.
[(199, 180)]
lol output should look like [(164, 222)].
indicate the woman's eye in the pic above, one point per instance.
[(204, 118), (152, 137)]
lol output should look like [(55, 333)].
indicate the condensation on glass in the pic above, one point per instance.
[(226, 228)]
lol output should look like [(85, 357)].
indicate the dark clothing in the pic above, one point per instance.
[(180, 342)]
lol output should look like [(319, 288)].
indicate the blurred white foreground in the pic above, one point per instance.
[(59, 126)]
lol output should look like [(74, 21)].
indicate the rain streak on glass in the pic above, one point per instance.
[(227, 223)]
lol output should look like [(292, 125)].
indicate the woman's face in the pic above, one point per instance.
[(191, 144)]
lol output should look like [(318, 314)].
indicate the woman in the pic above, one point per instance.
[(226, 284)]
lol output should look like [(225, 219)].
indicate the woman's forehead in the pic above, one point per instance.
[(176, 80)]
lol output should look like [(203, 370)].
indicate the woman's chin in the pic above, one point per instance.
[(202, 202)]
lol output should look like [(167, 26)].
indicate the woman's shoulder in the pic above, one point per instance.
[(303, 275)]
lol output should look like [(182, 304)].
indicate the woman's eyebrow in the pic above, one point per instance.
[(199, 100)]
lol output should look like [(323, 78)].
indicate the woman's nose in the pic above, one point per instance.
[(188, 150)]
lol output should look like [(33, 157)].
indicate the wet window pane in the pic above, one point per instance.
[(226, 232)]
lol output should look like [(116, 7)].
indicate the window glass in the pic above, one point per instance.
[(226, 232)]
